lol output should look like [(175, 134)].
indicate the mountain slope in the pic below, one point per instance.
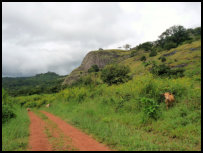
[(99, 58)]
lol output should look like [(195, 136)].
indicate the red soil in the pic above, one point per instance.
[(73, 138), (38, 140), (79, 139)]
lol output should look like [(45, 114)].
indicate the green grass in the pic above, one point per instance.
[(15, 132)]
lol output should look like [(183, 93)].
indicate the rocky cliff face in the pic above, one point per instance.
[(99, 58)]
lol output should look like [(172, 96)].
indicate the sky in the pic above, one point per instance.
[(38, 37)]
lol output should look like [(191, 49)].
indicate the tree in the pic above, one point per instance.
[(176, 34), (115, 74), (126, 46), (147, 46), (153, 53)]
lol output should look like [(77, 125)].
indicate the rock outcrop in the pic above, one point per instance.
[(99, 58)]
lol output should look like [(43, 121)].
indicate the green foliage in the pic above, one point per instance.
[(115, 74), (164, 70), (152, 53), (94, 68), (147, 63), (7, 113), (195, 33), (15, 133), (41, 83), (147, 46), (143, 58), (169, 45), (7, 110), (150, 108), (133, 53), (174, 36), (162, 58)]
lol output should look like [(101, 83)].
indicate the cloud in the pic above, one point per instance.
[(41, 37)]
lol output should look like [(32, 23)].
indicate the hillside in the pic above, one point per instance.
[(186, 56), (41, 83), (99, 58)]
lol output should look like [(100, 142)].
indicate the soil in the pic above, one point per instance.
[(62, 135), (38, 140)]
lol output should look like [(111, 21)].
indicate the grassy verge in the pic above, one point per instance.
[(15, 132)]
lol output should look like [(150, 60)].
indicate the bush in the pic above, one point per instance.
[(170, 45), (164, 70), (162, 58), (133, 53), (153, 53), (147, 46), (146, 63), (94, 68), (115, 74), (150, 108), (7, 113), (143, 58), (86, 80), (160, 69)]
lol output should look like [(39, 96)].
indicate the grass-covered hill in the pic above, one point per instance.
[(49, 82), (121, 103)]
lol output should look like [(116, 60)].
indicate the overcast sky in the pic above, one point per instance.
[(41, 37)]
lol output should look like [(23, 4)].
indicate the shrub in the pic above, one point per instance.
[(150, 108), (86, 80), (7, 113), (170, 45), (133, 53), (160, 69), (153, 53), (146, 63), (115, 74), (143, 58), (147, 46), (164, 70), (94, 68), (162, 58)]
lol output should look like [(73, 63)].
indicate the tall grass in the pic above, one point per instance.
[(15, 132)]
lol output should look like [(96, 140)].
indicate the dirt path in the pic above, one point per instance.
[(53, 134), (38, 140), (79, 139)]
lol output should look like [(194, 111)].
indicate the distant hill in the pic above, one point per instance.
[(49, 82)]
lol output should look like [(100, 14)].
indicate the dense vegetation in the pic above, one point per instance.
[(171, 38), (49, 82), (123, 105), (115, 74)]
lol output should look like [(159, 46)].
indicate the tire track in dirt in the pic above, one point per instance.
[(79, 139), (38, 140)]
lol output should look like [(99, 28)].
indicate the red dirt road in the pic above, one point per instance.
[(38, 140), (79, 139)]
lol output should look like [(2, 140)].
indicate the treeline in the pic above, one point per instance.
[(171, 38), (41, 83)]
